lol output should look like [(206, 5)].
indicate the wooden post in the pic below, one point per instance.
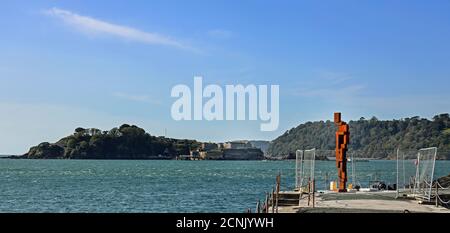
[(309, 190), (257, 207), (267, 203), (410, 180), (300, 196), (437, 195), (278, 190), (313, 191), (273, 201)]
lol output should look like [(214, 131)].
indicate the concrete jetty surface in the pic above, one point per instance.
[(354, 202)]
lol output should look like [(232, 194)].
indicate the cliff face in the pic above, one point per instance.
[(243, 154), (45, 150), (260, 144)]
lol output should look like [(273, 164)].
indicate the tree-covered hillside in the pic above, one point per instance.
[(125, 142), (372, 138)]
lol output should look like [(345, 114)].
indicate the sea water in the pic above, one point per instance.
[(161, 185)]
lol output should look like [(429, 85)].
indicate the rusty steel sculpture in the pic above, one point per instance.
[(342, 140)]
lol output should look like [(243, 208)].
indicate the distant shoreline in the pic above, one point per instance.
[(146, 158), (266, 159)]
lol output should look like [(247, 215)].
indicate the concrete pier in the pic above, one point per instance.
[(353, 202)]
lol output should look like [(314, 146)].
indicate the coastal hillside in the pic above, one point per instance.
[(260, 144), (125, 142), (372, 138)]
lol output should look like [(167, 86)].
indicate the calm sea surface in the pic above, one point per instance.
[(159, 185)]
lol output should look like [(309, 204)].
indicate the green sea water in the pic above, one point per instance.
[(159, 185)]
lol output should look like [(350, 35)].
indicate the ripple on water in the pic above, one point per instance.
[(154, 186)]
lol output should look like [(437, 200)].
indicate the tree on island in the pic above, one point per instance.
[(372, 138), (125, 142)]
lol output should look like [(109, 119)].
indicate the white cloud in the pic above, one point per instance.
[(92, 25), (137, 98), (329, 86), (220, 33), (333, 77), (331, 92)]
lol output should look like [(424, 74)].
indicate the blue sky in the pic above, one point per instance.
[(99, 64)]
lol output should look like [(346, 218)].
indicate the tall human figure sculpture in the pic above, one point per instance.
[(342, 140)]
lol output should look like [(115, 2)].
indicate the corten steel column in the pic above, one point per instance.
[(342, 140)]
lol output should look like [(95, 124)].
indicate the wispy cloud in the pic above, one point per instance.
[(331, 92), (93, 25), (333, 77), (330, 85), (137, 98), (220, 33)]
